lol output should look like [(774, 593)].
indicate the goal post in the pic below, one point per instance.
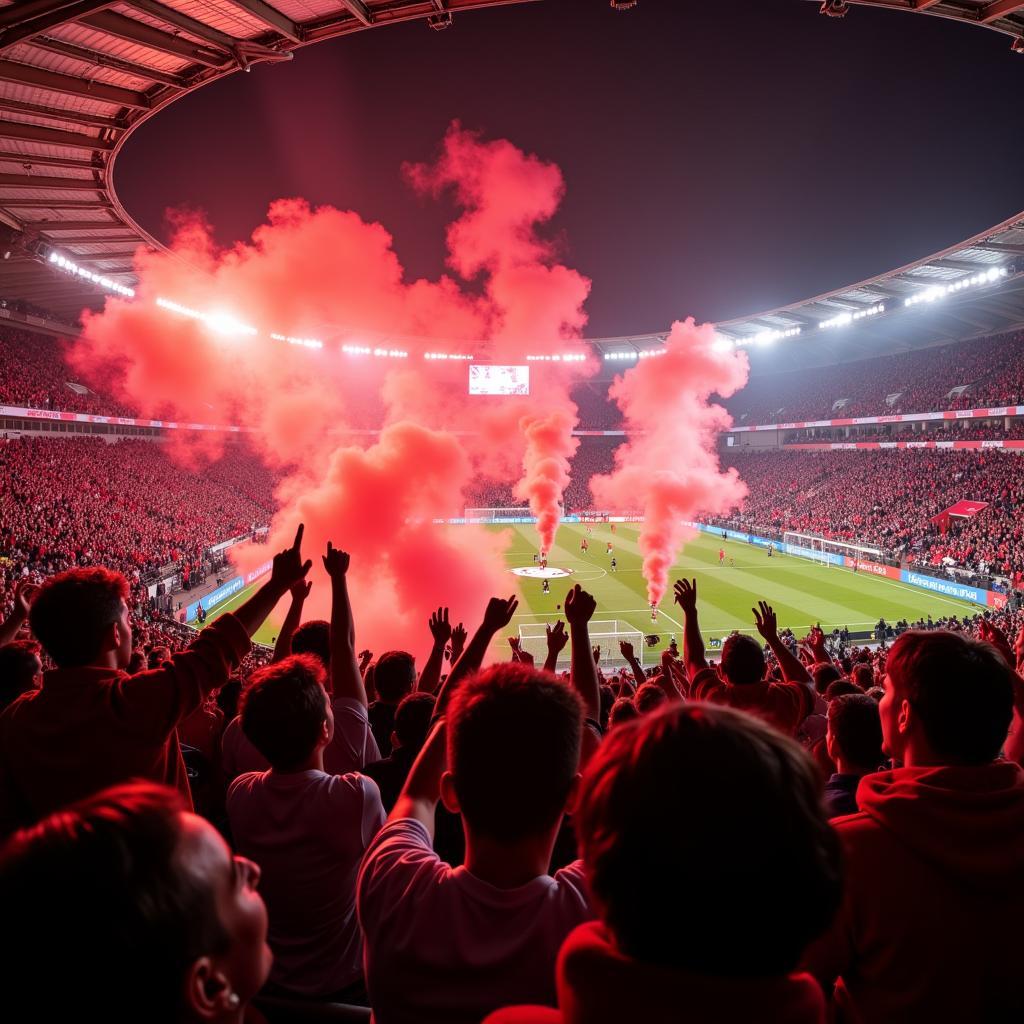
[(818, 548), (606, 634), (497, 515)]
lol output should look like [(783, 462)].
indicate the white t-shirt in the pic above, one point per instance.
[(307, 831), (351, 747), (441, 945)]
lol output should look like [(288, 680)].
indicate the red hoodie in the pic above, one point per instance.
[(598, 985), (930, 928)]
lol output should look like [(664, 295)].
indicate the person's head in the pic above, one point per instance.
[(948, 700), (607, 696), (394, 676), (863, 675), (824, 675), (81, 618), (412, 720), (137, 662), (313, 637), (127, 908), (513, 753), (853, 734), (649, 697), (20, 666), (651, 808), (623, 710), (742, 660), (157, 656), (285, 711), (840, 688)]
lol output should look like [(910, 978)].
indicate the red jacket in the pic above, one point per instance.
[(930, 929), (89, 728), (598, 985)]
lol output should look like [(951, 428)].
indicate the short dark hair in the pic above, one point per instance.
[(18, 668), (99, 884), (841, 688), (394, 676), (651, 808), (412, 719), (649, 697), (73, 609), (283, 709), (313, 637), (824, 675), (856, 727), (863, 675), (742, 660), (623, 710), (960, 689), (514, 750)]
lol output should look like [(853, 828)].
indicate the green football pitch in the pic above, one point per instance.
[(802, 592)]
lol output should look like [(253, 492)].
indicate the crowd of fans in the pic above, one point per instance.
[(80, 501), (888, 499), (797, 833), (921, 381)]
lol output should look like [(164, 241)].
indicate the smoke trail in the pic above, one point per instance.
[(669, 466), (549, 447)]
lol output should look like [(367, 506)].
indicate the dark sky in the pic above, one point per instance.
[(720, 159)]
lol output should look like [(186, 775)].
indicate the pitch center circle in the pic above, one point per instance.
[(536, 572)]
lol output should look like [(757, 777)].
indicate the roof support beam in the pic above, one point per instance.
[(21, 132), (20, 24), (105, 60), (59, 114), (999, 9), (69, 85), (93, 258), (360, 11), (35, 160), (145, 35), (194, 28), (98, 205), (272, 18), (35, 181), (72, 225), (90, 240), (1017, 250), (957, 265)]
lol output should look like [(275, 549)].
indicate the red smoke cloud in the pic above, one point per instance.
[(328, 274), (669, 466)]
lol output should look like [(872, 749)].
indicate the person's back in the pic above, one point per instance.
[(306, 829), (448, 945), (929, 928)]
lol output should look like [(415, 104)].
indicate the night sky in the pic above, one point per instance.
[(720, 159)]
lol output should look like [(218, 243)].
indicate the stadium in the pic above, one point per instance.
[(381, 637)]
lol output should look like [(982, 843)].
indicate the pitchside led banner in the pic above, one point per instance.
[(485, 379)]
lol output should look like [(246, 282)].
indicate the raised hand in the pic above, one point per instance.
[(579, 606), (24, 593), (626, 650), (556, 636), (458, 642), (336, 562), (440, 627), (300, 590), (988, 630), (499, 612), (523, 657), (767, 621), (686, 595), (288, 565), (597, 655)]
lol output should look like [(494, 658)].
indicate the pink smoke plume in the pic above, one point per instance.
[(325, 273), (669, 467)]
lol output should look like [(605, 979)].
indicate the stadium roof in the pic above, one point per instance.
[(1006, 16), (78, 76)]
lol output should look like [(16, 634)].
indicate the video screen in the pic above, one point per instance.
[(485, 379)]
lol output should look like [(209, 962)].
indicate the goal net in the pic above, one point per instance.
[(497, 515), (606, 634), (817, 548)]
